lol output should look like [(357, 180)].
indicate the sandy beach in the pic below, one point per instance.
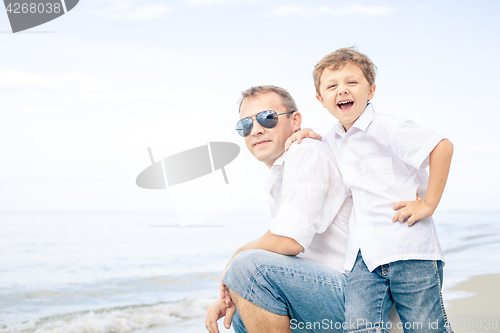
[(480, 312)]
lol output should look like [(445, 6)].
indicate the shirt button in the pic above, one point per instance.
[(363, 222), (345, 141)]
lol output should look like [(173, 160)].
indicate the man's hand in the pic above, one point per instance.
[(299, 135), (414, 211), (225, 295), (223, 289), (215, 312)]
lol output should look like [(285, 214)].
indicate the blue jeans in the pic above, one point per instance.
[(414, 286), (310, 294)]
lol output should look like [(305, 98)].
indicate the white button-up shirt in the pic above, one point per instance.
[(382, 159), (310, 203)]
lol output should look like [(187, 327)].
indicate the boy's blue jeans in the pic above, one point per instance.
[(312, 295), (414, 286)]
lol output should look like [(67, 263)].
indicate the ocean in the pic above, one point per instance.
[(107, 272)]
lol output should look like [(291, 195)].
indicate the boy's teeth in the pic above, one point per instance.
[(345, 105)]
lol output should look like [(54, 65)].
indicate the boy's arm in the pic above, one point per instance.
[(301, 134), (439, 167)]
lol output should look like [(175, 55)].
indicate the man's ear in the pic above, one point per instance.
[(371, 93), (321, 100), (297, 120)]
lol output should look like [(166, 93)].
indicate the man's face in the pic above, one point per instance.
[(267, 144), (345, 93)]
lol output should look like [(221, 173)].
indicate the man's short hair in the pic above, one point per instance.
[(338, 59), (285, 96)]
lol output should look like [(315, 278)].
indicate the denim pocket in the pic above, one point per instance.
[(377, 173)]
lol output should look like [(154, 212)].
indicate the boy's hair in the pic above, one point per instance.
[(285, 96), (338, 59)]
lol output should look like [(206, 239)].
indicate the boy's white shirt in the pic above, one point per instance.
[(382, 159), (310, 203)]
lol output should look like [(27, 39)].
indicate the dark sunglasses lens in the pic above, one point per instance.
[(244, 126), (267, 119)]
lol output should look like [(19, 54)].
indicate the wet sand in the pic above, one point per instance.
[(480, 312)]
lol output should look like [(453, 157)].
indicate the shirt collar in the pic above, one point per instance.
[(275, 169), (363, 121), (280, 160)]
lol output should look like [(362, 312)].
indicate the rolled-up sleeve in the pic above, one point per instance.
[(312, 193), (291, 222)]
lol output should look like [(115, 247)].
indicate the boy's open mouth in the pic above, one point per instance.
[(345, 105)]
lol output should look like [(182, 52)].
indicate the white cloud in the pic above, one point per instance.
[(23, 92), (476, 148), (327, 10), (128, 10), (218, 2), (12, 78)]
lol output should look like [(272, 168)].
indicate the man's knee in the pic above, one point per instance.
[(248, 262), (256, 319)]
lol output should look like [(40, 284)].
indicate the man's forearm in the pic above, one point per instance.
[(439, 167), (272, 243)]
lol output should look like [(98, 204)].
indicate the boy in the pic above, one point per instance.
[(392, 258)]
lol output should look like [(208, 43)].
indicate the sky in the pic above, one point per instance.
[(83, 96)]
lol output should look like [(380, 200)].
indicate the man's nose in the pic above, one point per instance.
[(257, 129)]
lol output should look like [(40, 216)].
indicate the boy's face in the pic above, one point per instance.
[(267, 144), (345, 93)]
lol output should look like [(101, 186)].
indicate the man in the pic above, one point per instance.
[(297, 282)]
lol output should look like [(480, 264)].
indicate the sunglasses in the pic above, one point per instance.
[(266, 119)]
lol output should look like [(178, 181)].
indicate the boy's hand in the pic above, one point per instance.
[(412, 211), (301, 134)]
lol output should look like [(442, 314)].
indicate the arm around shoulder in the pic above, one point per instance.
[(301, 134)]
